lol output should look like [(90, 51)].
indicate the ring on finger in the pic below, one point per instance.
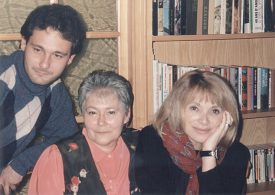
[(228, 125)]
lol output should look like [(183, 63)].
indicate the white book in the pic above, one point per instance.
[(257, 15), (217, 17), (240, 86), (223, 17), (156, 84), (165, 81)]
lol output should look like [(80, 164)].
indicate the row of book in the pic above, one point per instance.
[(262, 168), (254, 86), (190, 17)]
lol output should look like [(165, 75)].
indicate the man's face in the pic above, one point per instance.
[(46, 56)]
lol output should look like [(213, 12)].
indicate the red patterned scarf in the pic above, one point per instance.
[(184, 156)]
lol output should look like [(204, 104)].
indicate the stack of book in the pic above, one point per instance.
[(190, 17), (262, 163), (254, 86)]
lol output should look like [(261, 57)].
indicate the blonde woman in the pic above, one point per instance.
[(192, 146)]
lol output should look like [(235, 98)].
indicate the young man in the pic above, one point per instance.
[(33, 100)]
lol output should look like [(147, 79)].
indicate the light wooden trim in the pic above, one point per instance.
[(213, 37), (124, 44), (89, 35), (242, 52), (102, 35), (10, 37), (140, 39), (266, 188), (259, 114)]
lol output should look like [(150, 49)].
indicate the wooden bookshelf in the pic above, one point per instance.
[(242, 49), (261, 189), (196, 50)]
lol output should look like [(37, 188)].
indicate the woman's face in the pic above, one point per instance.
[(104, 117), (200, 118)]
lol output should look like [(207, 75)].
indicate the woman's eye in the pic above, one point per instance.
[(36, 49), (193, 108), (216, 111), (112, 112), (91, 113)]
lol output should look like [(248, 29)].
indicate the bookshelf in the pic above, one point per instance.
[(239, 49)]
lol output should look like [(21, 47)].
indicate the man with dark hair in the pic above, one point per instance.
[(33, 99)]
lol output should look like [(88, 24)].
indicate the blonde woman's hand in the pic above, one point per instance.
[(213, 140)]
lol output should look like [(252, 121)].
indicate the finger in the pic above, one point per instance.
[(7, 189), (229, 120), (1, 190), (12, 187)]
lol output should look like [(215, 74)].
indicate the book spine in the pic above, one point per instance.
[(255, 87), (217, 17), (272, 88), (264, 88), (177, 18), (211, 9), (160, 17), (205, 11), (171, 17), (155, 18), (249, 88), (244, 88), (259, 78), (246, 16), (257, 16), (228, 17), (199, 17), (183, 21), (166, 21)]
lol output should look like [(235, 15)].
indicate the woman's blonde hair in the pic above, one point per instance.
[(200, 84)]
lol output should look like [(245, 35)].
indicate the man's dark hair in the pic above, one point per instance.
[(62, 18)]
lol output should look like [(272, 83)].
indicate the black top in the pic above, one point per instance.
[(156, 173)]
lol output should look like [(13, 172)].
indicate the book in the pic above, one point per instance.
[(235, 18), (233, 79), (191, 17), (241, 14), (155, 18), (272, 88), (160, 17), (217, 17), (165, 81), (168, 17), (269, 16), (223, 16), (205, 11), (177, 17), (246, 17), (250, 93), (183, 22), (264, 89), (257, 16), (171, 17), (259, 78), (199, 17), (228, 16), (255, 87), (156, 85), (240, 87), (244, 88), (211, 10)]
